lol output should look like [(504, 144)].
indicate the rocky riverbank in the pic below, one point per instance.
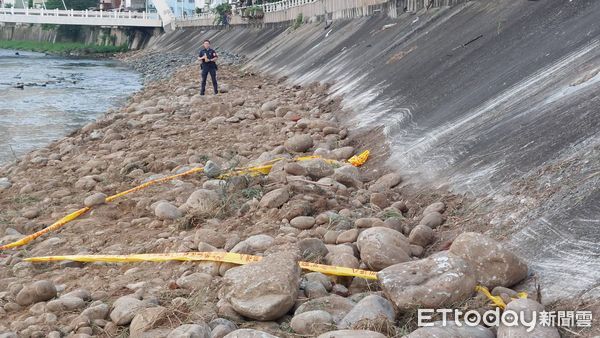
[(314, 211), (156, 66)]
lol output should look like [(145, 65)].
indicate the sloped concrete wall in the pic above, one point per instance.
[(496, 99)]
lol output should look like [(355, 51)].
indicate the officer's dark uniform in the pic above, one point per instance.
[(208, 67)]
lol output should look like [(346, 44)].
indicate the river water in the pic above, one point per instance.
[(58, 95)]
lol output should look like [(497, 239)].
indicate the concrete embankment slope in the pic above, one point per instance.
[(498, 99)]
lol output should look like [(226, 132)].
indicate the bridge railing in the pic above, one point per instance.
[(78, 14)]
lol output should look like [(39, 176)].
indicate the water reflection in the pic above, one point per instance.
[(43, 98)]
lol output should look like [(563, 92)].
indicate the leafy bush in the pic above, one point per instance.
[(255, 11), (221, 10), (299, 21)]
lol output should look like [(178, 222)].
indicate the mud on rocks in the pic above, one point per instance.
[(333, 214)]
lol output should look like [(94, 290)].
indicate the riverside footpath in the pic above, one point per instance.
[(318, 210)]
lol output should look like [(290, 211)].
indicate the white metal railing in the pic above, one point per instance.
[(80, 14), (283, 5)]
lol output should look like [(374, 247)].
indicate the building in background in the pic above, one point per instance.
[(134, 5), (110, 4), (14, 3), (182, 8)]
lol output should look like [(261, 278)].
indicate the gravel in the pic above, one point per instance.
[(155, 66)]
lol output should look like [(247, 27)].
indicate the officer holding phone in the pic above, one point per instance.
[(208, 56)]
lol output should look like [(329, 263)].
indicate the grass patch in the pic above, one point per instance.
[(24, 199), (60, 47), (251, 193), (389, 213), (379, 324)]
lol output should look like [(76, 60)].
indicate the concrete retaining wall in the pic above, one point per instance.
[(327, 9), (495, 99), (135, 38)]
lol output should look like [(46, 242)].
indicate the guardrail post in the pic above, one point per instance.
[(130, 14), (100, 13)]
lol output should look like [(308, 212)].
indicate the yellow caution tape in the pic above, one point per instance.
[(54, 226), (497, 300), (254, 171), (72, 216), (225, 257)]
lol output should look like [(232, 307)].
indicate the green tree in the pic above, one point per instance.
[(222, 10)]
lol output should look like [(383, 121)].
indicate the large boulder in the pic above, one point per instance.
[(195, 281), (275, 198), (202, 201), (5, 183), (386, 182), (99, 311), (338, 307), (381, 247), (317, 168), (254, 244), (435, 207), (432, 219), (265, 290), (167, 211), (125, 309), (249, 333), (65, 303), (439, 280), (450, 329), (303, 222), (299, 143), (369, 308), (145, 320), (95, 199), (312, 249), (348, 175), (210, 236), (312, 322), (198, 330), (37, 292), (352, 334), (526, 308), (211, 169), (421, 235), (494, 264), (270, 105)]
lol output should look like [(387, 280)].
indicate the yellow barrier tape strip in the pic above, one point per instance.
[(496, 300), (52, 227), (71, 217), (256, 170), (225, 257)]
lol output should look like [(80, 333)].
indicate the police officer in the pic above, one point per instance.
[(208, 56)]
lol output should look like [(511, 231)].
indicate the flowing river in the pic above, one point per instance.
[(43, 98)]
